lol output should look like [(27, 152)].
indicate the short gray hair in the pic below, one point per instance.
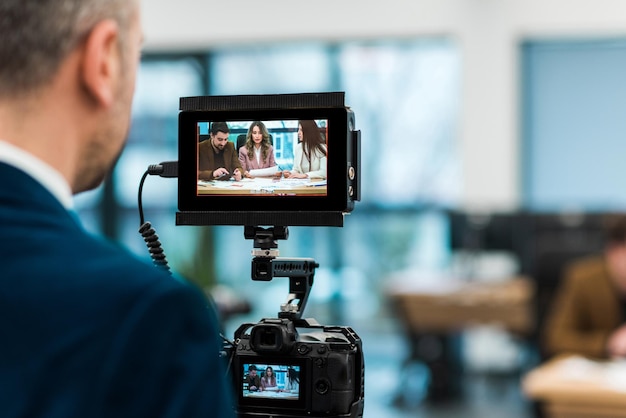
[(36, 35)]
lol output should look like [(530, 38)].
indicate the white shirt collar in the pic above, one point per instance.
[(45, 174)]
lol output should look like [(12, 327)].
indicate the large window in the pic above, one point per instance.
[(574, 125), (405, 96)]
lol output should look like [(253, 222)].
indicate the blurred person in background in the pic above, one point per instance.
[(588, 316)]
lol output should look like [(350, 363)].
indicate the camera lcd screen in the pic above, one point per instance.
[(267, 158), (278, 383)]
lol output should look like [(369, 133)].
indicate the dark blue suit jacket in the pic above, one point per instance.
[(87, 330)]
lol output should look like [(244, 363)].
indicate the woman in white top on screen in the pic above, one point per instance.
[(257, 155), (292, 383), (310, 154)]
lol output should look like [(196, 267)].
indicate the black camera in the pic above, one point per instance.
[(289, 366), (314, 374), (285, 366)]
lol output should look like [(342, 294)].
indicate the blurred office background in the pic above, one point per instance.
[(487, 126)]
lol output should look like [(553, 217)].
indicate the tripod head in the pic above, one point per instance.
[(266, 265)]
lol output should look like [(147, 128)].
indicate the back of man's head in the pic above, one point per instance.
[(35, 37)]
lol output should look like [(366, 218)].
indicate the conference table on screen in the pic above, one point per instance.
[(264, 186), (271, 394)]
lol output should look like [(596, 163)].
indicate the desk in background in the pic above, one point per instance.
[(454, 305), (576, 387), (434, 313)]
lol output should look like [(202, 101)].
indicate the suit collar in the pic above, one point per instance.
[(39, 170), (20, 190)]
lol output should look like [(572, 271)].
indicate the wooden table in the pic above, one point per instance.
[(435, 312), (576, 387), (453, 305)]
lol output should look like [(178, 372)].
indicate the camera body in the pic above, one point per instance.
[(318, 371), (328, 361)]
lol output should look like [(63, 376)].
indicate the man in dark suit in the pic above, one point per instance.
[(87, 329), (217, 155)]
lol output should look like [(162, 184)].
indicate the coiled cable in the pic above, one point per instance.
[(149, 235), (154, 246)]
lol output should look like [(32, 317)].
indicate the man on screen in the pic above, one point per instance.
[(217, 156), (252, 379)]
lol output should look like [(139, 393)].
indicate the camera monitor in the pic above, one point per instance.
[(267, 160)]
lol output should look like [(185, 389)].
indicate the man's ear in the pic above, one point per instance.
[(101, 64)]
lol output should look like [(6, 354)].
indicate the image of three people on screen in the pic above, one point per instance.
[(287, 379), (253, 156)]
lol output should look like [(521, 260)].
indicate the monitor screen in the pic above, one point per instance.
[(277, 382), (268, 158)]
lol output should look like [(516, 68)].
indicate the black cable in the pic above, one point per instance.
[(167, 169), (164, 169), (154, 246), (139, 203), (228, 351)]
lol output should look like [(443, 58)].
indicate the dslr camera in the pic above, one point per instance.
[(302, 368), (286, 366)]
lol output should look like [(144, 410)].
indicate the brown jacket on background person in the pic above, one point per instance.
[(586, 311)]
